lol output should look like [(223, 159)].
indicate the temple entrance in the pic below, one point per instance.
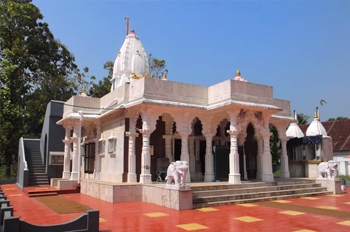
[(202, 149), (251, 151), (138, 149), (221, 162), (177, 149)]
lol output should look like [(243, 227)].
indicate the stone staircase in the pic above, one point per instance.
[(217, 194), (37, 172)]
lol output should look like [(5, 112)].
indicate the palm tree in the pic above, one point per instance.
[(302, 118)]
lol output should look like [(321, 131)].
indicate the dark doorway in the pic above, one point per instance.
[(251, 150), (138, 149), (202, 150), (221, 162), (177, 151)]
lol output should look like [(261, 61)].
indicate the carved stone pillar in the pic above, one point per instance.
[(184, 152), (192, 164), (234, 177), (209, 175), (75, 160), (168, 152), (66, 163), (267, 174), (284, 159), (259, 158), (145, 176), (132, 178)]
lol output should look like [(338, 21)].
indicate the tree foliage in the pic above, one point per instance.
[(35, 68), (338, 118), (157, 67), (302, 119), (274, 145), (103, 86)]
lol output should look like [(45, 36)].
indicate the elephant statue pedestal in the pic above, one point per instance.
[(332, 185), (178, 187)]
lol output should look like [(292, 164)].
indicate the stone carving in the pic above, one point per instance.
[(177, 172), (327, 169)]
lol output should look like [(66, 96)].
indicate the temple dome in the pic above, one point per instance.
[(316, 128), (131, 62), (294, 130)]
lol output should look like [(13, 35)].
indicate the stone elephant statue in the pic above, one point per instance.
[(177, 172), (328, 169)]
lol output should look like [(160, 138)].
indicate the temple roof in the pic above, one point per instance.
[(131, 62), (294, 130), (316, 128)]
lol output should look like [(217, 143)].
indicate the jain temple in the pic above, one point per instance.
[(118, 147)]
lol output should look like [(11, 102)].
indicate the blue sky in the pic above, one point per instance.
[(301, 48)]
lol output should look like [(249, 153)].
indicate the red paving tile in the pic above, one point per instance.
[(131, 216)]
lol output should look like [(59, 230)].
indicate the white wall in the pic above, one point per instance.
[(112, 164), (344, 165)]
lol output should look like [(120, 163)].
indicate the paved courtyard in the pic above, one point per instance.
[(321, 213)]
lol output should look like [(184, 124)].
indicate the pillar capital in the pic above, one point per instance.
[(266, 134), (145, 132), (67, 141), (132, 134), (284, 139), (233, 132)]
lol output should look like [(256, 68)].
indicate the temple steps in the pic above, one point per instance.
[(37, 171), (227, 194), (50, 192)]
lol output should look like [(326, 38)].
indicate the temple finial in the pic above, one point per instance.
[(127, 25), (238, 73)]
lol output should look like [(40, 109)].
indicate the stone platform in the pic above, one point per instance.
[(159, 194)]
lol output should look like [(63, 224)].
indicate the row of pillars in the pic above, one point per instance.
[(264, 161), (264, 164)]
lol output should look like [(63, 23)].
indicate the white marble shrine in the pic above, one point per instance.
[(134, 132)]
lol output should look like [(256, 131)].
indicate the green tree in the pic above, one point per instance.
[(338, 118), (157, 67), (103, 87), (302, 119), (274, 145), (35, 68)]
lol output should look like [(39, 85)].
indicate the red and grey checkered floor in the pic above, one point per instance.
[(322, 213)]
